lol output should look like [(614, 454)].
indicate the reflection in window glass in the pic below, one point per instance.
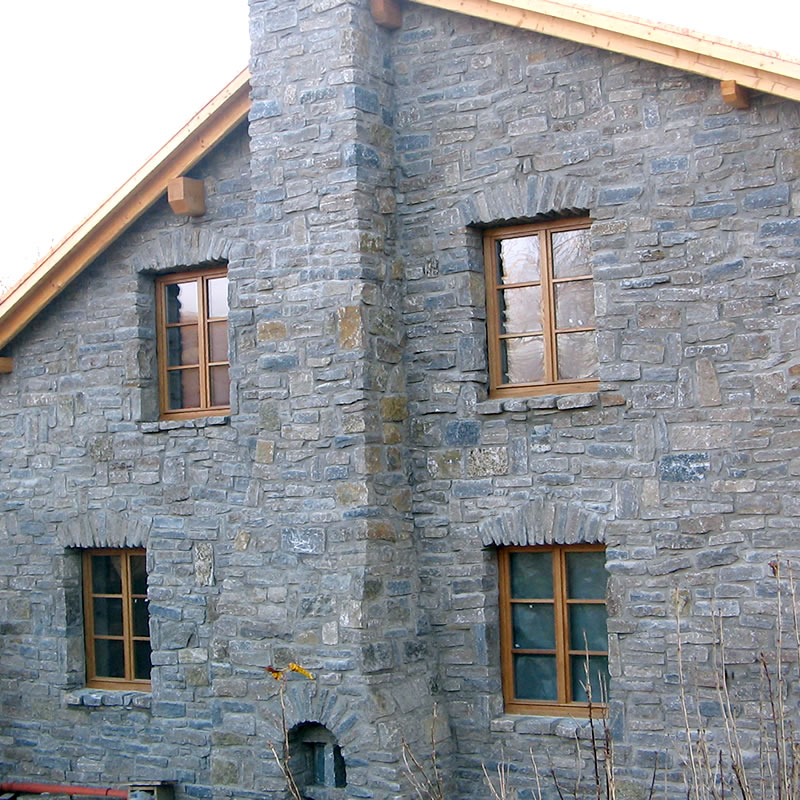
[(193, 342)]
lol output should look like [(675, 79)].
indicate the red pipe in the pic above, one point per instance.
[(55, 788)]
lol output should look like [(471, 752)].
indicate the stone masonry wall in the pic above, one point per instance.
[(686, 460), (346, 515)]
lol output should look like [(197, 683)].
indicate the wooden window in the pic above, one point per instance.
[(192, 319), (116, 619), (540, 309), (552, 613)]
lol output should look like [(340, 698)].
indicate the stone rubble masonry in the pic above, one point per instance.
[(345, 515)]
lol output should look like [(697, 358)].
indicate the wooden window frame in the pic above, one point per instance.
[(201, 278), (105, 682), (564, 706), (498, 387)]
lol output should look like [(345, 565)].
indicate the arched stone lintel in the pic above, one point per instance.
[(526, 198), (104, 528), (187, 247), (543, 521)]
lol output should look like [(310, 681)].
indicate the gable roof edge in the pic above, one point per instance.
[(660, 43), (69, 258)]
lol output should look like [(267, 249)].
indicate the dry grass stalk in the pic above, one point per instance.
[(427, 784)]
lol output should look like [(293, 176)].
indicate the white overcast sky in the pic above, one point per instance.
[(92, 88)]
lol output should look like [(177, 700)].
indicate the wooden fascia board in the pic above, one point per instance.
[(673, 47), (65, 262)]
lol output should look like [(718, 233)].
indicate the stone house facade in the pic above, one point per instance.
[(349, 507)]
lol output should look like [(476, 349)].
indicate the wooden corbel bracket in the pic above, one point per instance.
[(186, 196), (6, 365), (387, 13), (734, 94)]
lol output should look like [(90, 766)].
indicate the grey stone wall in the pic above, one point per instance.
[(345, 516), (685, 462)]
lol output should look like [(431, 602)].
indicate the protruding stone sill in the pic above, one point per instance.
[(182, 424), (549, 402), (106, 697), (563, 727)]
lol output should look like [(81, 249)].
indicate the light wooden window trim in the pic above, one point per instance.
[(201, 278), (550, 385), (565, 705), (127, 638)]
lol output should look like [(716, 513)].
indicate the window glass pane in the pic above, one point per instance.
[(586, 575), (574, 304), (182, 346), (106, 575), (141, 660), (220, 386), (535, 678), (577, 355), (138, 568), (598, 671), (533, 626), (218, 341), (109, 661), (587, 627), (523, 359), (518, 259), (217, 297), (531, 575), (520, 309), (107, 616), (181, 302), (571, 253), (184, 389), (140, 625)]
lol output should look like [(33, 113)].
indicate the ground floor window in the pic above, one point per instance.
[(116, 619), (553, 628)]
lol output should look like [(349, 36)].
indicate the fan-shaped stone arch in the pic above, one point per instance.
[(543, 521), (527, 198), (187, 247)]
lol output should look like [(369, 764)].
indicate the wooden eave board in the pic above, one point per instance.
[(68, 259), (663, 44)]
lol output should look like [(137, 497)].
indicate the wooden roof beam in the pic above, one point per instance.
[(387, 13), (734, 94), (67, 260), (662, 44)]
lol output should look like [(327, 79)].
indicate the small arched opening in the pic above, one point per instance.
[(316, 761)]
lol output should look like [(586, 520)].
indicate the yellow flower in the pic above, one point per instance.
[(276, 673), (297, 668)]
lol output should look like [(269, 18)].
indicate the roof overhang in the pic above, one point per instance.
[(663, 44), (66, 261), (735, 64)]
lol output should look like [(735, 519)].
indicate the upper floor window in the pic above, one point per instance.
[(540, 308), (192, 321), (553, 628), (116, 621)]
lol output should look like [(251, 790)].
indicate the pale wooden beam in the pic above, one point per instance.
[(186, 196), (6, 365), (387, 13), (662, 44), (208, 127), (734, 94)]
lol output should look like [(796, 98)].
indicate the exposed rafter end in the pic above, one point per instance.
[(186, 196), (6, 365), (734, 94), (387, 13)]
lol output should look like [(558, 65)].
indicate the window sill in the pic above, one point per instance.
[(547, 402), (564, 727), (92, 698), (182, 424)]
